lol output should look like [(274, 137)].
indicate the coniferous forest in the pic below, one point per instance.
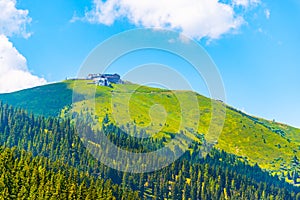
[(44, 158)]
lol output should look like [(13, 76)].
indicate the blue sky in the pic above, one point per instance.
[(255, 45)]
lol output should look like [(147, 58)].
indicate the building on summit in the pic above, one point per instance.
[(105, 79)]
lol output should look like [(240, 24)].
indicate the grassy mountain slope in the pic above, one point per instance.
[(159, 112), (45, 100)]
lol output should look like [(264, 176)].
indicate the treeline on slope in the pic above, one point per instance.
[(217, 176), (26, 177)]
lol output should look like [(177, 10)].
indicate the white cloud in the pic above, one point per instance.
[(267, 13), (245, 3), (13, 20), (194, 18), (14, 74)]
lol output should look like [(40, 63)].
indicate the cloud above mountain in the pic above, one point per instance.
[(14, 73), (197, 19), (12, 20)]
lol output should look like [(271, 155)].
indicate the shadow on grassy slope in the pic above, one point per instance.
[(47, 100)]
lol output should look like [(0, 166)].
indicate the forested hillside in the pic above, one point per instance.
[(27, 177), (271, 145), (38, 151)]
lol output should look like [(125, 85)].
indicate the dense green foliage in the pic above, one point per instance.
[(58, 152), (27, 177)]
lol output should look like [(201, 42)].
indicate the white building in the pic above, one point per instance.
[(103, 82)]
